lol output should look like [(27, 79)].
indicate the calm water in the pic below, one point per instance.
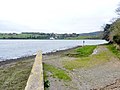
[(10, 49)]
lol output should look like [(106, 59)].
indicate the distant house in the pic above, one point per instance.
[(52, 38)]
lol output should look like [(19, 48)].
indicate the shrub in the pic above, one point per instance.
[(116, 39)]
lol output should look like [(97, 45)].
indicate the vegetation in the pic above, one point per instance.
[(106, 32), (24, 36), (92, 35), (87, 62), (84, 51), (14, 76), (56, 72), (112, 31), (118, 10), (37, 35), (83, 37), (46, 81), (114, 50), (116, 38)]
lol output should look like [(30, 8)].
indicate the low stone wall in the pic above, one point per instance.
[(35, 80)]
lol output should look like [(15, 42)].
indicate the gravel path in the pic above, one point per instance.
[(101, 77)]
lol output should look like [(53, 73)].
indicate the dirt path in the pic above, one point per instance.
[(103, 76)]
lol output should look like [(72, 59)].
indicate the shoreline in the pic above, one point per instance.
[(8, 61)]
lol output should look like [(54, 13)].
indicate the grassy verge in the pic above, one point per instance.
[(87, 62), (84, 51), (15, 76), (113, 49), (57, 73)]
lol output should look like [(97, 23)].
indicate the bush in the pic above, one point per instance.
[(116, 39), (114, 50)]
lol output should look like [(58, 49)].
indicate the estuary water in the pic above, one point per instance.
[(12, 49)]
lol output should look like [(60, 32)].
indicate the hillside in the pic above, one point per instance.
[(112, 32), (91, 35), (98, 33)]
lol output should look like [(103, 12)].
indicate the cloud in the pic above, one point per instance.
[(6, 26), (56, 15)]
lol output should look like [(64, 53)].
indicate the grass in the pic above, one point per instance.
[(56, 72), (113, 49), (15, 76), (46, 81), (83, 37), (90, 61), (84, 51)]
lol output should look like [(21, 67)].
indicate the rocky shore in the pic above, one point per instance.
[(8, 61)]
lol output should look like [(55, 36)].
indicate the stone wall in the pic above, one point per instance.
[(35, 80)]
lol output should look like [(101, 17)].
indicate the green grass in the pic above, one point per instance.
[(56, 72), (46, 81), (83, 37), (84, 51), (15, 76), (90, 61), (113, 49)]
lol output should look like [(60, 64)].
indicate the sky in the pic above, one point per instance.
[(55, 16)]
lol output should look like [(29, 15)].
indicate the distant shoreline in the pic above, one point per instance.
[(51, 40), (52, 36), (7, 61)]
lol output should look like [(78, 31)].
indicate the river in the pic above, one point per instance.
[(12, 49)]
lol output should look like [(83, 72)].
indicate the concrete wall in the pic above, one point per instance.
[(35, 80)]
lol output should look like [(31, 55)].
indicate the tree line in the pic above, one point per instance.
[(36, 35)]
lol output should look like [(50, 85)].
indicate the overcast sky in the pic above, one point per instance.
[(58, 16)]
